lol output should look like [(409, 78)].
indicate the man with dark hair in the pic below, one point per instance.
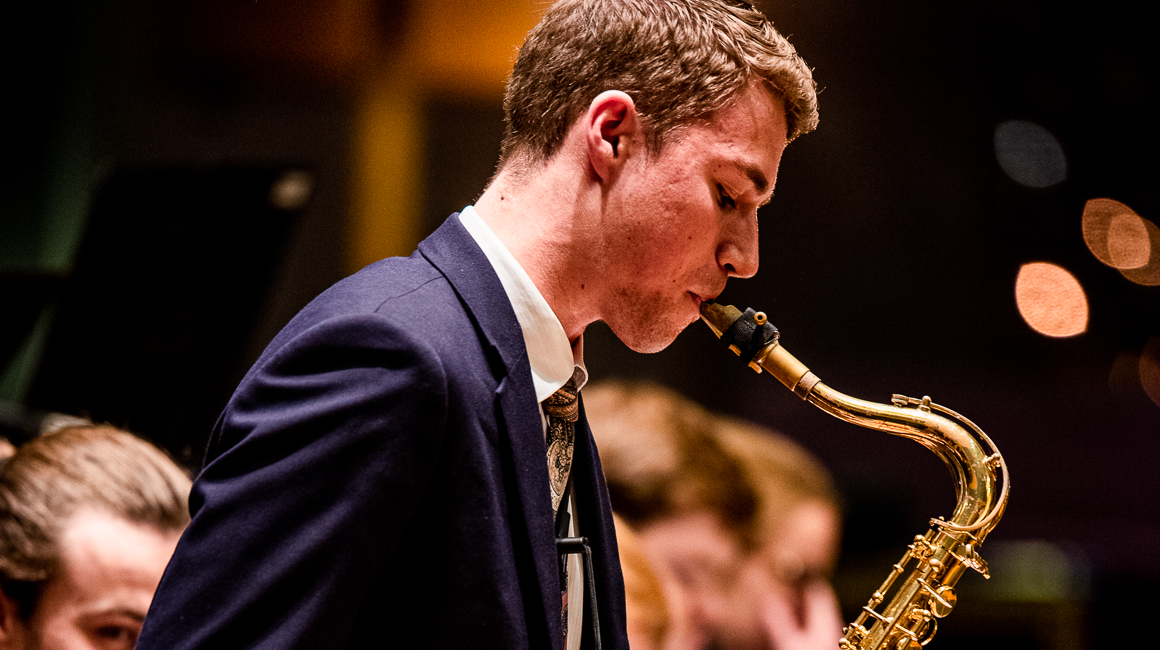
[(397, 466), (89, 516)]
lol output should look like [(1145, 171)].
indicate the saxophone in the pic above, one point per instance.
[(920, 589)]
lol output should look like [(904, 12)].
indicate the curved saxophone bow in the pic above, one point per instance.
[(920, 589)]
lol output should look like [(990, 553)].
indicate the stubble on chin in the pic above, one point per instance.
[(647, 328)]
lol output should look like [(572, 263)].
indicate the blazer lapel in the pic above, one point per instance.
[(454, 252)]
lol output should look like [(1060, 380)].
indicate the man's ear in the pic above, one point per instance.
[(612, 130), (13, 631)]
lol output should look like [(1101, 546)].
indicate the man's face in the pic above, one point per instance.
[(98, 597), (726, 591), (792, 561), (680, 223), (805, 546), (706, 562)]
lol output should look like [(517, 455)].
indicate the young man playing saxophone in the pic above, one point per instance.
[(380, 477)]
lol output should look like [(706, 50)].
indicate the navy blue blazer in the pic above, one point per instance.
[(378, 480)]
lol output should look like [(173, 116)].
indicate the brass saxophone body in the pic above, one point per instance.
[(903, 613)]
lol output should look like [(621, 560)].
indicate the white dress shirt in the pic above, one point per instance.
[(553, 360)]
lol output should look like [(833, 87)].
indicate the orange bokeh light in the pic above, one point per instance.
[(1115, 234), (1051, 300), (1147, 274), (1150, 369), (1128, 245)]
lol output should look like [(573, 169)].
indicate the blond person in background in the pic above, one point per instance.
[(655, 608), (89, 516), (648, 612), (799, 530), (687, 499), (748, 554)]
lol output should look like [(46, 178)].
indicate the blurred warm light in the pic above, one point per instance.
[(1150, 369), (467, 47), (387, 163), (1051, 300), (1029, 154), (1128, 245), (1149, 273), (458, 49), (292, 190), (1115, 234)]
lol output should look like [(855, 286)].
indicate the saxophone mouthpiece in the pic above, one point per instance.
[(746, 333), (719, 317), (752, 337)]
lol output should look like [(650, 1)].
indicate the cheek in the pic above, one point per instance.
[(669, 246), (60, 632), (52, 622)]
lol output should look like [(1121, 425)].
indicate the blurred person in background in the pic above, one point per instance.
[(799, 533), (648, 613), (654, 607), (749, 559), (688, 500), (89, 517)]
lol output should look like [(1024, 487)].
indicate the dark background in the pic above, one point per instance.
[(889, 256)]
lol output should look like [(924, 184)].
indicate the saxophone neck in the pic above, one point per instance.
[(752, 337), (957, 441)]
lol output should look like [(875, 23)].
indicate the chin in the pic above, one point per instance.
[(649, 324), (650, 337), (648, 347)]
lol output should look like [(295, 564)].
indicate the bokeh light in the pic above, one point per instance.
[(1115, 234), (1150, 369), (1148, 274), (292, 190), (1029, 154), (1124, 374), (1051, 300), (1128, 245)]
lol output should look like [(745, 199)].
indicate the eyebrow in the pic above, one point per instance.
[(760, 182), (758, 178), (121, 610)]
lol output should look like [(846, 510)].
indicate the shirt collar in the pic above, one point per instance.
[(552, 357)]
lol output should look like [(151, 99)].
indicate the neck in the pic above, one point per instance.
[(543, 219)]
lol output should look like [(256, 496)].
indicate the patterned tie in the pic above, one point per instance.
[(563, 409)]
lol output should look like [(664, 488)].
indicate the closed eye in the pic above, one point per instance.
[(724, 200), (116, 637), (116, 629)]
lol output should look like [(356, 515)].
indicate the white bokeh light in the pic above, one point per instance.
[(1029, 154)]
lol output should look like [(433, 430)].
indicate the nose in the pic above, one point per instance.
[(737, 252), (697, 614)]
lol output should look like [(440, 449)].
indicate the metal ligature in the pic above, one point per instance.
[(903, 613)]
